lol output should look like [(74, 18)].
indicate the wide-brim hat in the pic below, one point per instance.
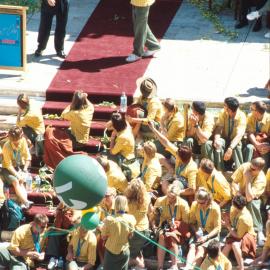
[(147, 85)]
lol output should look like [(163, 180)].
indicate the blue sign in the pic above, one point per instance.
[(10, 40)]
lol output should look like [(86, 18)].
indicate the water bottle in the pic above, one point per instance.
[(60, 264), (123, 103), (37, 183), (199, 233), (28, 181)]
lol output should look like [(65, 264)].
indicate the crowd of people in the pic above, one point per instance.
[(192, 207)]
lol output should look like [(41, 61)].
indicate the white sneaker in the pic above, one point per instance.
[(253, 15), (150, 53), (52, 263), (267, 35), (173, 267), (248, 261), (133, 58)]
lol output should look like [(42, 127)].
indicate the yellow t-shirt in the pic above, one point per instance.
[(116, 178), (216, 184), (232, 127), (242, 222), (151, 170), (33, 118), (212, 219), (206, 124), (267, 188), (181, 207), (154, 108), (142, 3), (254, 126), (222, 261), (88, 246), (188, 171), (15, 156), (140, 214), (258, 183), (80, 122), (175, 127), (118, 230), (104, 211), (124, 143)]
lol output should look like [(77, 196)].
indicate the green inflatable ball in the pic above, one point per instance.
[(80, 182), (90, 221)]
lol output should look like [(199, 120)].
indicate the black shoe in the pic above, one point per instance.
[(241, 24), (61, 54), (38, 53), (257, 26)]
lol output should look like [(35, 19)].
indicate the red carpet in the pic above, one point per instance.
[(96, 62)]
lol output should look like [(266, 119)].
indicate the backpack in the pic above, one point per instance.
[(11, 215)]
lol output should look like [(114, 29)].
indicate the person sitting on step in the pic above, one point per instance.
[(199, 128), (215, 259), (80, 114), (242, 237), (229, 131), (30, 118), (249, 180), (258, 130), (15, 164), (27, 245)]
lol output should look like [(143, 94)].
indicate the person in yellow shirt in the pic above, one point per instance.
[(143, 36), (151, 170), (266, 248), (249, 180), (185, 167), (214, 181), (139, 207), (242, 237), (215, 259), (117, 231), (26, 246), (205, 222), (16, 160), (266, 195), (258, 129), (172, 126), (229, 131), (29, 118), (199, 128), (115, 177), (81, 249), (153, 109), (173, 215), (80, 114)]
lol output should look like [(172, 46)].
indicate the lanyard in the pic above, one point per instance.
[(36, 242), (173, 216), (230, 126), (79, 246), (258, 127), (144, 172), (180, 169), (16, 156), (212, 188), (204, 218), (217, 266)]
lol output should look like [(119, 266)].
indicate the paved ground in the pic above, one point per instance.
[(195, 62)]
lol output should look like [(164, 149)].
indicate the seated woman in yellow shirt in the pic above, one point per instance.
[(117, 231), (152, 106), (215, 259), (205, 222), (151, 170), (80, 114), (16, 160), (242, 237), (173, 214), (29, 118), (139, 207), (82, 249)]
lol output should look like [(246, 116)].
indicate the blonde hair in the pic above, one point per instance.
[(150, 149), (203, 194), (174, 188), (136, 192), (258, 163), (120, 203)]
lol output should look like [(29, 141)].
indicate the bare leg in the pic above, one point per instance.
[(161, 252), (199, 255), (238, 254), (226, 250), (19, 191), (191, 255)]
